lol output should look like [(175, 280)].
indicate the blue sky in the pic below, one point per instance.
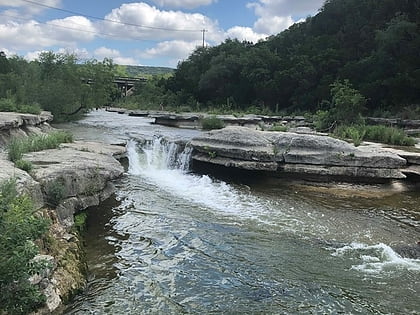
[(149, 32)]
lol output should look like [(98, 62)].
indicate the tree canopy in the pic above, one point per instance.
[(374, 45)]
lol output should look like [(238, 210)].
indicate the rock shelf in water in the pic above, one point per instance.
[(302, 155)]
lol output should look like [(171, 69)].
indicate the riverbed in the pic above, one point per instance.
[(172, 241)]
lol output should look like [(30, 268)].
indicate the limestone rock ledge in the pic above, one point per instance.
[(303, 155), (21, 125), (71, 178)]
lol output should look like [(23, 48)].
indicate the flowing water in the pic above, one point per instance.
[(173, 241)]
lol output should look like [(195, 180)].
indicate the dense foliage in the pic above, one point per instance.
[(372, 44), (55, 82), (19, 228)]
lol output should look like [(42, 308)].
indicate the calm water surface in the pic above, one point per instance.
[(174, 242)]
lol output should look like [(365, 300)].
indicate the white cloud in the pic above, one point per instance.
[(104, 52), (244, 34), (27, 9), (275, 16), (71, 29), (160, 25), (175, 50), (273, 24), (33, 35), (7, 51), (286, 7), (187, 4)]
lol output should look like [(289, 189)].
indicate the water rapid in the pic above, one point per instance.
[(175, 242)]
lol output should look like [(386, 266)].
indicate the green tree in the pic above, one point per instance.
[(347, 103)]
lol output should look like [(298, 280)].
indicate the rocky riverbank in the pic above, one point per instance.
[(63, 182), (302, 155)]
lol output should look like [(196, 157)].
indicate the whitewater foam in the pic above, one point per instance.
[(376, 259), (166, 165)]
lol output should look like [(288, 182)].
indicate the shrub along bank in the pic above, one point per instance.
[(20, 228)]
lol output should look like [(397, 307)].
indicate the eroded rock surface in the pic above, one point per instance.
[(21, 125), (74, 176), (300, 154)]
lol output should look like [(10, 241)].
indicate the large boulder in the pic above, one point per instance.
[(75, 176), (301, 154)]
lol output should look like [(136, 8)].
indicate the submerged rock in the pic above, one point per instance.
[(298, 154)]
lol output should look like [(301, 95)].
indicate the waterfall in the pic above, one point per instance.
[(158, 154)]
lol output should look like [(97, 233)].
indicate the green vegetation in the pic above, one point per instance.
[(20, 227), (279, 128), (59, 83), (18, 147), (80, 221), (382, 134), (24, 165), (210, 123), (141, 71), (55, 192), (366, 51), (10, 105)]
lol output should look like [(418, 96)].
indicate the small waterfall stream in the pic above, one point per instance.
[(182, 242)]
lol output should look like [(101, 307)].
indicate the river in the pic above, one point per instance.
[(172, 241)]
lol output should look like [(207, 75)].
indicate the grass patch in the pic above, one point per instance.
[(18, 147), (210, 123), (24, 165), (278, 128), (388, 135), (381, 134)]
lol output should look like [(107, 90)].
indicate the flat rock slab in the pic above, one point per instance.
[(81, 172), (96, 147), (295, 153)]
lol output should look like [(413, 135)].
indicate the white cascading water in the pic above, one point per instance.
[(166, 165)]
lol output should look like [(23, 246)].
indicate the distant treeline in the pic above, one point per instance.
[(56, 82), (139, 71), (373, 46)]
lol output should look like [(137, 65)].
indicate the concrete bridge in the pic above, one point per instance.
[(125, 84)]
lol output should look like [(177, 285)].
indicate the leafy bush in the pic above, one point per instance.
[(10, 105), (24, 165), (355, 133), (30, 109), (212, 122), (55, 192), (7, 105), (19, 228), (323, 120), (80, 221), (18, 147)]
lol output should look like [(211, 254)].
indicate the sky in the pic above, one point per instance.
[(148, 32)]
